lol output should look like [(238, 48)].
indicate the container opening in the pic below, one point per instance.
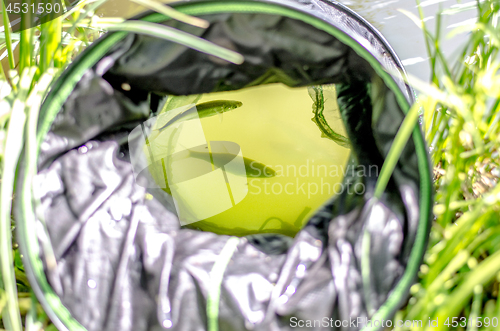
[(256, 160)]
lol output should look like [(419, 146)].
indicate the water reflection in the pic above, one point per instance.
[(406, 37)]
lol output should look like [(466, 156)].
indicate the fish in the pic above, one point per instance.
[(253, 169), (223, 152), (205, 109)]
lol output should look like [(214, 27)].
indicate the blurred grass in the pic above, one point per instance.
[(42, 53), (459, 279)]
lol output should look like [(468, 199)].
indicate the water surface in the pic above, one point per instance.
[(405, 37)]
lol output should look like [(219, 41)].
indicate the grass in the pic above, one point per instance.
[(459, 279), (460, 276)]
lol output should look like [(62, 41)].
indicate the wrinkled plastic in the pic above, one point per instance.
[(122, 260)]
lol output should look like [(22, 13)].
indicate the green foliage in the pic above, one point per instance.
[(42, 54), (461, 110)]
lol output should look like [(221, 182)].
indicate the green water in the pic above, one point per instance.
[(294, 169)]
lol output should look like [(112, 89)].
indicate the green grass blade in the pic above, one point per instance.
[(13, 147), (397, 147), (480, 275), (437, 48), (2, 74), (8, 40), (475, 311), (428, 41), (26, 41), (180, 37), (88, 11), (50, 39), (25, 48), (74, 9), (216, 276), (172, 13)]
